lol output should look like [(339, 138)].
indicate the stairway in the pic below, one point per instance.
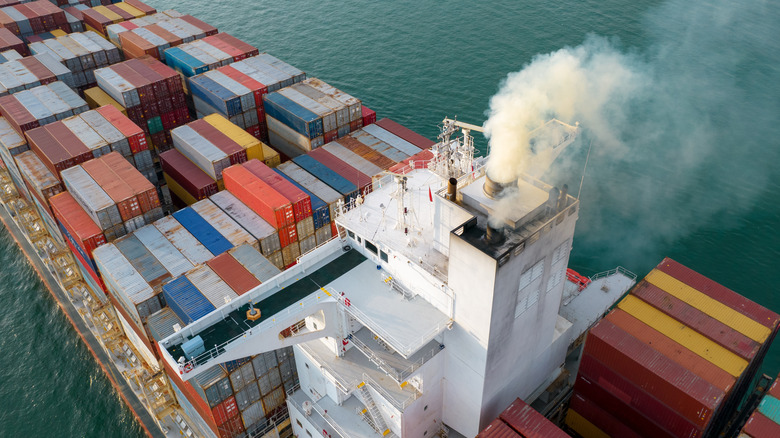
[(377, 421), (373, 357)]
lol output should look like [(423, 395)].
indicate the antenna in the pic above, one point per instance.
[(584, 169)]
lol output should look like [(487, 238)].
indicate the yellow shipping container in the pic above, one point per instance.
[(58, 33), (579, 424), (253, 146), (96, 98), (710, 306), (108, 13), (178, 190), (129, 9), (684, 335), (271, 157)]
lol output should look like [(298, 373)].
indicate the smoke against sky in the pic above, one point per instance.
[(685, 132)]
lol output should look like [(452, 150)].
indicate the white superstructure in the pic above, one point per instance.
[(439, 323)]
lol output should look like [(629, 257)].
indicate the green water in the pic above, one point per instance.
[(709, 203)]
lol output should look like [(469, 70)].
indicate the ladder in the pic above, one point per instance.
[(373, 357), (377, 421)]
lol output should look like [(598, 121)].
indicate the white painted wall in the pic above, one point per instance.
[(425, 413)]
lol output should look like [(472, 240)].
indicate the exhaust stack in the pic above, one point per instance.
[(494, 236), (494, 189), (452, 190)]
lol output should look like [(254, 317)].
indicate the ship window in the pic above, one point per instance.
[(351, 234), (529, 288), (371, 247), (383, 256), (299, 423), (307, 432)]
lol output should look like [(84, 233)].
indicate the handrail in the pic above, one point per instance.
[(328, 419), (613, 271), (400, 405), (343, 385)]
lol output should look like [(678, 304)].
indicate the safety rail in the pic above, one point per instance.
[(346, 387), (218, 349), (613, 271), (420, 362), (398, 404), (403, 349), (373, 357), (328, 419)]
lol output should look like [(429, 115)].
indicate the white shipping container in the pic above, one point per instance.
[(98, 54), (200, 151), (163, 250), (183, 240), (117, 87), (211, 286), (35, 107), (246, 96), (87, 135), (355, 111), (255, 263), (126, 283), (327, 114), (65, 56), (341, 110), (289, 141), (258, 227), (391, 139), (21, 72), (112, 52), (115, 139), (221, 222), (69, 96), (279, 78), (52, 101), (91, 197), (295, 73), (353, 159), (54, 64), (11, 55), (323, 234), (200, 55), (10, 140), (85, 58), (221, 57)]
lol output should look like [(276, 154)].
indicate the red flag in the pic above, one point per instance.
[(430, 195)]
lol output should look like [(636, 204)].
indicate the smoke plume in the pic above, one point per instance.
[(683, 132)]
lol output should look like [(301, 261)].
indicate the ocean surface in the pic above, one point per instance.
[(695, 181)]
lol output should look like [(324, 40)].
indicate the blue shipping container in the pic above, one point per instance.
[(142, 260), (770, 407), (319, 209), (214, 94), (184, 63), (78, 247), (328, 176), (186, 301), (293, 115), (203, 231)]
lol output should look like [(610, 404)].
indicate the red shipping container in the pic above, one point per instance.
[(331, 135), (259, 196), (333, 229), (225, 411), (498, 429), (144, 190), (288, 235), (234, 151), (140, 83), (49, 150), (774, 390), (9, 41), (300, 201), (356, 177), (96, 20), (115, 188), (135, 135), (231, 50), (600, 418), (258, 89), (172, 39), (759, 426), (369, 115), (205, 27), (405, 133), (192, 179), (68, 140), (715, 330), (17, 115), (247, 49), (355, 125), (690, 395), (627, 402), (44, 75), (141, 6), (33, 18), (78, 223), (531, 424), (671, 349), (9, 23), (172, 79), (758, 313), (232, 428), (134, 46), (121, 12), (233, 273), (159, 83)]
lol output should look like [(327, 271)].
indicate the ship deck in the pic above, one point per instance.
[(236, 323)]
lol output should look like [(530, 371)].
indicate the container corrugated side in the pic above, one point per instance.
[(392, 139), (211, 286), (353, 159), (10, 140), (226, 226), (163, 250), (251, 145), (78, 224), (328, 176), (203, 231), (759, 426), (259, 196), (351, 102), (233, 150), (320, 210), (161, 324), (588, 419), (233, 273), (183, 240), (127, 284), (107, 132), (40, 178), (186, 300), (356, 177), (91, 197), (200, 151), (254, 262), (144, 261), (264, 232), (300, 201), (498, 429), (188, 175), (308, 181), (379, 146), (524, 419), (121, 194), (293, 115)]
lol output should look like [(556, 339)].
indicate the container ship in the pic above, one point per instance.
[(247, 251)]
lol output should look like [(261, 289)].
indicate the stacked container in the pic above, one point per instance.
[(333, 179), (9, 41), (186, 180), (211, 157), (30, 72), (40, 106), (320, 216), (764, 422), (255, 149), (367, 115), (79, 230), (167, 24), (151, 93), (404, 133), (521, 420), (33, 18), (183, 240), (250, 259), (208, 53), (356, 176), (227, 227), (99, 17), (674, 359), (206, 234), (81, 53), (266, 235), (233, 273), (320, 190), (96, 98)]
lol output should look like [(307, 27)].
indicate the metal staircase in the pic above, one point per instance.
[(371, 413), (375, 359)]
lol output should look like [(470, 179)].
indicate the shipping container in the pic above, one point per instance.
[(251, 145), (392, 139), (145, 192), (233, 150), (265, 233), (213, 385), (108, 132), (368, 115), (134, 134), (313, 184), (249, 394), (759, 426), (259, 196), (144, 261), (242, 376), (10, 140), (225, 411), (366, 167), (254, 262), (354, 105), (163, 250), (525, 420), (374, 157), (188, 175), (186, 301), (97, 204), (200, 151), (126, 284), (498, 429), (290, 142), (163, 323), (233, 274), (211, 286), (203, 231), (121, 194), (76, 221), (356, 177), (323, 234), (590, 420), (404, 133), (330, 177), (320, 209), (290, 254), (222, 222), (39, 177), (307, 243), (379, 146), (293, 115), (301, 202), (183, 240)]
